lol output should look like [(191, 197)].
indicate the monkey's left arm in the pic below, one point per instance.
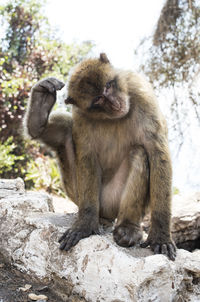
[(87, 222), (159, 237)]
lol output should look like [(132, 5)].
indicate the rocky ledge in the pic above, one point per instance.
[(96, 269)]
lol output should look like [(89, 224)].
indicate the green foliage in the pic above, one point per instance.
[(29, 51), (171, 60), (176, 191), (174, 52), (7, 157), (27, 54), (24, 19), (44, 174)]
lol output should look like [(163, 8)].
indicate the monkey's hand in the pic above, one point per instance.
[(160, 245), (127, 234), (81, 229), (43, 97)]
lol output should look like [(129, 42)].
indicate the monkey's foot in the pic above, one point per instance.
[(73, 235), (166, 247), (127, 234)]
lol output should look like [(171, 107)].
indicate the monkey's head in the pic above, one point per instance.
[(98, 90)]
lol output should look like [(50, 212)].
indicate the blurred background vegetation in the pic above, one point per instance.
[(171, 61), (30, 50)]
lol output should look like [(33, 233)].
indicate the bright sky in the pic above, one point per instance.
[(115, 26)]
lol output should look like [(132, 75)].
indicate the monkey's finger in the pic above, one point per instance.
[(124, 241), (62, 245), (48, 88), (118, 233), (96, 232), (66, 240), (55, 84), (164, 250), (72, 241), (171, 252), (131, 242), (50, 85), (63, 236), (156, 249), (145, 243)]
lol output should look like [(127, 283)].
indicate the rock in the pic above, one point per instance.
[(26, 287), (186, 218), (185, 221), (13, 186), (35, 297), (96, 269)]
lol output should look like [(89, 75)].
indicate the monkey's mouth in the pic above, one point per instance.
[(102, 101)]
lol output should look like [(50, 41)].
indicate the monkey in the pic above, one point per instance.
[(113, 152)]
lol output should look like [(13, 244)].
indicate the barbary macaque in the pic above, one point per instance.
[(113, 152)]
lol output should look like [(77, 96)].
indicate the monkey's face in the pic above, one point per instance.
[(97, 90), (114, 100)]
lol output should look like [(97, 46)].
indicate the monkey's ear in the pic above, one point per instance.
[(103, 58), (69, 100)]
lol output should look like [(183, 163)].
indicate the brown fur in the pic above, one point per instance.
[(113, 152)]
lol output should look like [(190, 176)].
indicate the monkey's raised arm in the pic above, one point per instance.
[(43, 97)]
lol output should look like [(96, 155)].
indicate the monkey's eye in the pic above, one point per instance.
[(108, 84), (69, 100)]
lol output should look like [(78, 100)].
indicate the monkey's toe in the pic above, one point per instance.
[(70, 239), (127, 235), (168, 248)]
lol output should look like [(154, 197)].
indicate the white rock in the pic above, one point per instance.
[(35, 297), (11, 186), (26, 287), (96, 268), (186, 217)]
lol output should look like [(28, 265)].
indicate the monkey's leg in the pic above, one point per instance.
[(88, 184), (159, 237), (134, 200)]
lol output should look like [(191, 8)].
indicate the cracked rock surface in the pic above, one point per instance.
[(96, 269)]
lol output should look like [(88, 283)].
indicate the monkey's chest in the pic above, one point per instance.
[(110, 152)]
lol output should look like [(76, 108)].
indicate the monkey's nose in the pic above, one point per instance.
[(98, 100)]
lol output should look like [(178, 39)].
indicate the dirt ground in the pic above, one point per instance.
[(11, 280)]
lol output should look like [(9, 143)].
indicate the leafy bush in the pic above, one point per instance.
[(44, 174), (7, 157), (29, 51)]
